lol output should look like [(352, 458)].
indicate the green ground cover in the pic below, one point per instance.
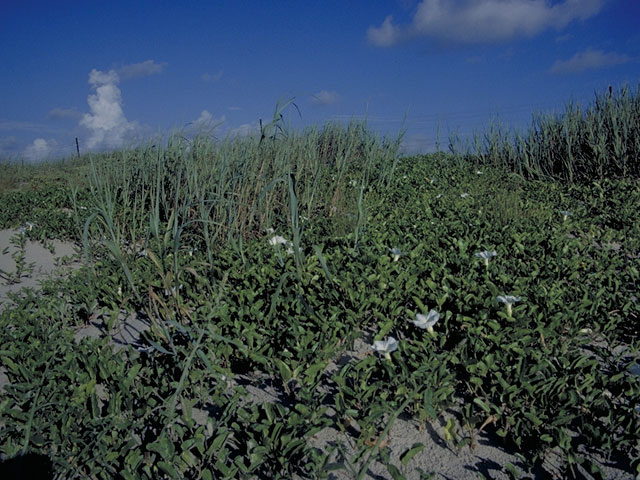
[(269, 257)]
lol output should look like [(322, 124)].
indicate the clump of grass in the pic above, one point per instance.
[(579, 144), (238, 187)]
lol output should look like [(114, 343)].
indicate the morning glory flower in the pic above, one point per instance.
[(464, 195), (396, 253), (565, 214), (426, 321), (28, 226), (278, 240), (385, 346), (486, 256), (508, 300)]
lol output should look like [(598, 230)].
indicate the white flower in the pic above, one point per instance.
[(278, 240), (508, 300), (172, 291), (464, 195), (385, 346), (28, 226), (270, 231), (478, 172), (486, 256), (565, 214), (353, 183), (426, 321), (396, 253)]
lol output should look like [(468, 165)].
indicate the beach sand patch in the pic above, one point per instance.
[(39, 262)]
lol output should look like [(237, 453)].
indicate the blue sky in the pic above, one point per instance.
[(113, 72)]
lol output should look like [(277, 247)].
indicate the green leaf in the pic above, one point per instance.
[(395, 473), (284, 369), (411, 452), (168, 469), (482, 405)]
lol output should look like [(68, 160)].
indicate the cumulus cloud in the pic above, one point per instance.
[(64, 114), (39, 150), (207, 120), (324, 97), (142, 69), (482, 21), (208, 77), (245, 130), (108, 126), (588, 60), (386, 34)]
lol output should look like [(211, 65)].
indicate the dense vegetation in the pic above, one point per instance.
[(266, 258)]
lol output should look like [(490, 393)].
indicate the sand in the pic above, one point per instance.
[(41, 263)]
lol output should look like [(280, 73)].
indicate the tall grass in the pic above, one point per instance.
[(201, 195), (601, 140), (238, 187)]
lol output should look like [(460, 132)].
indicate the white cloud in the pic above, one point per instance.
[(142, 69), (204, 117), (385, 35), (208, 77), (589, 60), (325, 98), (207, 120), (483, 21), (107, 123), (39, 150), (244, 130)]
